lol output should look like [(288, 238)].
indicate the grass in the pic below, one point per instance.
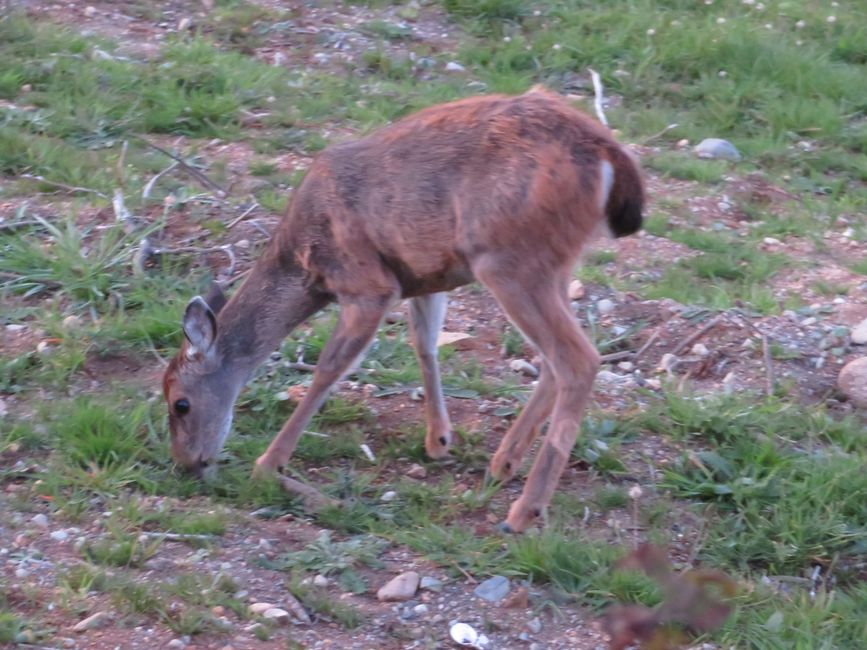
[(776, 484)]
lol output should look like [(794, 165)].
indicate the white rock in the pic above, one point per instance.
[(176, 644), (40, 521), (700, 349), (605, 306), (717, 148), (261, 608), (391, 495), (277, 615), (15, 327), (626, 366), (576, 290), (416, 471), (524, 367), (59, 535), (420, 610), (185, 23), (810, 320), (44, 348), (454, 66), (859, 333), (772, 241), (399, 588), (71, 322), (852, 381), (92, 622), (320, 580)]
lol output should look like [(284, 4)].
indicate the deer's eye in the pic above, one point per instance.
[(182, 406)]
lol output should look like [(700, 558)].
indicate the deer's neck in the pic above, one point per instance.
[(271, 302)]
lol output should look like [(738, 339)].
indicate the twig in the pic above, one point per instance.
[(689, 340), (243, 216), (15, 225), (644, 348), (69, 188), (599, 97), (192, 171), (303, 367), (312, 497), (616, 356), (178, 537), (769, 366), (146, 192), (650, 138)]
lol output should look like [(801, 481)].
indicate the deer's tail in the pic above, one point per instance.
[(626, 197)]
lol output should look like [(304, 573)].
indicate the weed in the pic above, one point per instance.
[(121, 549), (322, 605)]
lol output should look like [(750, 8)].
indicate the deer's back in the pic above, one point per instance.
[(443, 185)]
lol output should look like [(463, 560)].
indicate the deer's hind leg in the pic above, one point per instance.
[(532, 298), (427, 314)]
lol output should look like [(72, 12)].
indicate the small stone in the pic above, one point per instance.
[(176, 644), (524, 367), (772, 241), (243, 244), (682, 144), (626, 366), (859, 333), (21, 573), (700, 349), (420, 610), (454, 66), (320, 580), (809, 321), (399, 588), (59, 535), (852, 381), (717, 148), (416, 471), (15, 327), (430, 584), (493, 589), (605, 306), (576, 290), (261, 608), (185, 23), (218, 610), (92, 622), (89, 11), (44, 348), (391, 495), (40, 521), (72, 322), (277, 615), (535, 625)]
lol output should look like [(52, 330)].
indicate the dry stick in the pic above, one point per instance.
[(644, 348), (245, 214), (192, 171), (146, 192), (62, 186), (313, 498), (713, 322), (597, 91), (178, 537), (615, 356), (769, 366)]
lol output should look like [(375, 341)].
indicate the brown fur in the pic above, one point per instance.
[(505, 190)]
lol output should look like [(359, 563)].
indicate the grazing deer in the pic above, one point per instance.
[(503, 190)]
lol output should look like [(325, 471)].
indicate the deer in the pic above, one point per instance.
[(503, 190)]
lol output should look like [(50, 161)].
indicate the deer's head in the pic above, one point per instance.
[(199, 390)]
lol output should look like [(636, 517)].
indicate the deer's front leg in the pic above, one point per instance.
[(427, 314), (356, 326)]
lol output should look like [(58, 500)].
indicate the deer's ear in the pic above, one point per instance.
[(200, 325), (216, 299)]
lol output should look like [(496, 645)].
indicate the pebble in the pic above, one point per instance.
[(493, 589), (59, 535), (420, 610), (524, 367), (320, 580), (15, 327), (535, 625), (261, 608), (859, 333), (71, 322), (852, 381), (277, 615), (810, 320), (92, 622), (605, 306), (626, 366), (40, 521), (416, 471), (576, 290), (717, 148), (700, 349), (454, 66), (399, 588), (391, 495), (430, 584), (772, 241), (176, 643)]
